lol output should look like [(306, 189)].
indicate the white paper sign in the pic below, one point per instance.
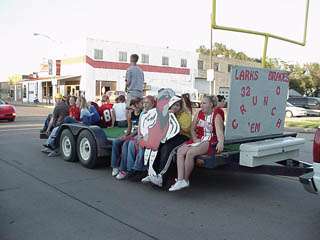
[(210, 75), (257, 102)]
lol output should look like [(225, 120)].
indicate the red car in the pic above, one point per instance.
[(7, 111)]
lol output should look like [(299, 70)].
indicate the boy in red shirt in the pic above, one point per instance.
[(74, 110), (105, 111)]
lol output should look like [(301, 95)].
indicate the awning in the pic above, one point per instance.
[(69, 80)]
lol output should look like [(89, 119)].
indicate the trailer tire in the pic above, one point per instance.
[(68, 146), (87, 149)]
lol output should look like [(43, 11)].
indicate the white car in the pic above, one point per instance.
[(292, 111)]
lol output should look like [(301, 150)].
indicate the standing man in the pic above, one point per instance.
[(134, 80)]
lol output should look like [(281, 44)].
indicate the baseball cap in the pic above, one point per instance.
[(173, 100), (58, 96)]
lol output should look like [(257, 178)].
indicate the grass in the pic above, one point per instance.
[(302, 123)]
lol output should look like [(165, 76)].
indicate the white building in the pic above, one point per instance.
[(95, 66)]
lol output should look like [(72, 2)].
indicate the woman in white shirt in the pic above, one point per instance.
[(118, 113)]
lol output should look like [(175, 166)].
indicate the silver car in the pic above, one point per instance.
[(292, 111)]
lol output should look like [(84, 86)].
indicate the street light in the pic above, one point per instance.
[(46, 36), (50, 62)]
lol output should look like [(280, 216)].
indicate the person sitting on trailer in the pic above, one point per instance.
[(221, 101), (207, 129), (88, 113), (133, 115), (162, 163), (74, 108), (132, 157), (60, 111), (105, 112), (118, 113)]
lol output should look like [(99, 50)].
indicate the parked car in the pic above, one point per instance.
[(114, 94), (292, 111), (311, 104), (7, 111)]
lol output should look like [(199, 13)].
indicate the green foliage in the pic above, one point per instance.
[(305, 79), (220, 49)]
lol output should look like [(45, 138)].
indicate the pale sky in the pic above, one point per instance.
[(179, 24)]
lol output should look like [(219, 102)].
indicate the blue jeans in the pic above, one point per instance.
[(124, 156), (51, 141), (116, 153), (135, 162)]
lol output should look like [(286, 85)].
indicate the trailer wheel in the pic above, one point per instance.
[(87, 149), (68, 146)]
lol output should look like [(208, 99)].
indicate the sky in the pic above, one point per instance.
[(178, 24)]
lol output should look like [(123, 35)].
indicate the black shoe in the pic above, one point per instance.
[(136, 176)]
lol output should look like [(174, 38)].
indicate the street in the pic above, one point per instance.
[(47, 198)]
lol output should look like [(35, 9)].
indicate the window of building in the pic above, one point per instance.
[(200, 64), (24, 91), (98, 54), (216, 67), (183, 63), (165, 61), (229, 68), (145, 58), (122, 56)]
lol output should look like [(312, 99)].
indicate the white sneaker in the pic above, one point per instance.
[(180, 184), (121, 175), (115, 172), (146, 179), (156, 180)]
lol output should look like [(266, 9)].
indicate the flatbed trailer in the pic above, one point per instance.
[(254, 137), (92, 145)]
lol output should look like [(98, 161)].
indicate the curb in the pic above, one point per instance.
[(32, 105)]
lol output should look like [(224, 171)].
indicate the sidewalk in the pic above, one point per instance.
[(23, 104)]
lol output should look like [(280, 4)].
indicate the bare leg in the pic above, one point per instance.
[(191, 154), (181, 154)]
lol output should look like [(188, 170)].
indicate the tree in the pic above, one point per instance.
[(220, 49), (14, 79)]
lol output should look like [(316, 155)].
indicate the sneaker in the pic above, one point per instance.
[(156, 180), (45, 150), (54, 154), (115, 172), (121, 175), (146, 179), (180, 184)]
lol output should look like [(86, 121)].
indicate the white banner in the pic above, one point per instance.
[(257, 102)]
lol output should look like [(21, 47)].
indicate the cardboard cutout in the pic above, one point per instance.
[(158, 125)]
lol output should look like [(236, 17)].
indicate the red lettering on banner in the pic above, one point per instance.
[(255, 100), (278, 76), (254, 127), (273, 111), (278, 124), (265, 100), (245, 92), (235, 124), (278, 90), (247, 75), (242, 109)]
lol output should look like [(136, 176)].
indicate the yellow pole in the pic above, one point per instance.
[(265, 34), (306, 23), (265, 48)]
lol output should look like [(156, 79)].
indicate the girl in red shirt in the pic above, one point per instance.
[(207, 129)]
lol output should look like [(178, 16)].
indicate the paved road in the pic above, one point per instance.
[(47, 198)]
